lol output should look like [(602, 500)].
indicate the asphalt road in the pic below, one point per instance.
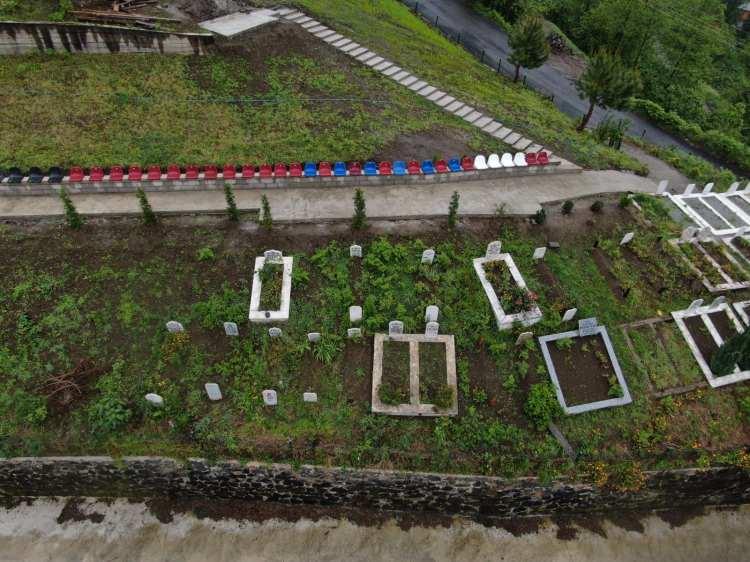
[(482, 35)]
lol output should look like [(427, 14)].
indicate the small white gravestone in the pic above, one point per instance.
[(355, 314), (569, 314), (355, 251), (154, 399), (428, 256), (627, 238), (174, 326), (708, 188), (432, 329), (213, 391), (352, 333), (431, 313), (274, 332), (718, 301), (539, 253), (696, 304), (587, 327), (689, 189), (733, 187), (273, 256), (230, 329), (270, 398), (395, 328), (688, 234), (523, 337), (309, 397), (494, 249), (663, 184), (313, 337)]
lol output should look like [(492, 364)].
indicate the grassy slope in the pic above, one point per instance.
[(391, 29)]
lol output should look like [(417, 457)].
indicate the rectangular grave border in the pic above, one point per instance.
[(741, 309), (268, 316), (415, 407), (728, 241), (702, 312), (679, 200), (601, 331), (505, 321), (730, 283)]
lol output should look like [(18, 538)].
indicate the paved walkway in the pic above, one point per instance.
[(520, 196)]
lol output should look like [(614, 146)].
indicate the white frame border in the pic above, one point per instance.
[(269, 316)]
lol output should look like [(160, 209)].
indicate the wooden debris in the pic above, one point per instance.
[(104, 15)]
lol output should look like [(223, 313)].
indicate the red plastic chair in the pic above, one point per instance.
[(76, 173), (441, 166), (154, 173), (116, 173), (173, 172), (542, 159), (531, 159), (135, 173), (279, 170), (266, 171), (295, 170), (192, 172), (210, 172), (355, 169), (413, 167), (385, 168), (97, 173), (229, 172), (248, 171), (467, 163), (325, 169)]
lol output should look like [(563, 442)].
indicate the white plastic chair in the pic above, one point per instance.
[(493, 161), (520, 159), (507, 160), (480, 163)]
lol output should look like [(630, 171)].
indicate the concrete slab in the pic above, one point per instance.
[(418, 86), (512, 138), (473, 116), (317, 29), (335, 38), (534, 148), (349, 48), (342, 42), (287, 12), (463, 111), (239, 22), (492, 127), (311, 23), (300, 19), (522, 144), (364, 57), (400, 76), (445, 101), (374, 61), (436, 95), (482, 122), (383, 65), (453, 106), (502, 133), (326, 33), (356, 52), (392, 70), (426, 91), (408, 80)]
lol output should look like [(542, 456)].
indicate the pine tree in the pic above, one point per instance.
[(734, 351), (453, 210), (606, 82), (72, 217), (360, 218), (149, 217), (234, 214), (530, 47), (266, 221)]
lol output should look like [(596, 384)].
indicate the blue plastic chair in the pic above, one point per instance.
[(55, 174), (36, 175), (428, 167), (339, 169), (15, 175), (371, 168), (454, 165), (311, 170), (399, 168)]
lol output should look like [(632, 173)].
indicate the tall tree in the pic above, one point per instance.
[(529, 44), (606, 82)]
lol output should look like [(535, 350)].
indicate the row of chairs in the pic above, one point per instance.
[(295, 169)]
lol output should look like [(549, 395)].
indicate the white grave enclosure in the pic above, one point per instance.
[(282, 314), (732, 275), (724, 214)]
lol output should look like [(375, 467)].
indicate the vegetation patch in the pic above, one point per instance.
[(271, 278), (433, 385), (394, 385)]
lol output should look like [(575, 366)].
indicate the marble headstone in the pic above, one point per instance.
[(213, 391), (569, 314), (154, 399), (587, 327), (174, 326), (355, 251), (270, 398), (230, 329), (428, 256)]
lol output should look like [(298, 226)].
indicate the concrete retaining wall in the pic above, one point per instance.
[(466, 495), (18, 38)]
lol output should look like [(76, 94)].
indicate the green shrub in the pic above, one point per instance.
[(265, 219), (149, 217), (206, 254), (360, 218), (567, 207), (541, 405), (453, 210), (540, 217), (72, 217), (597, 206), (234, 214), (625, 201)]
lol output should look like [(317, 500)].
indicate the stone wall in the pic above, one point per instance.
[(449, 494), (18, 38)]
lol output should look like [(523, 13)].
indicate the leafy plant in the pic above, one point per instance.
[(540, 217), (360, 218), (597, 206), (206, 254), (541, 405), (266, 221), (148, 215), (234, 214), (72, 217), (567, 207), (453, 210)]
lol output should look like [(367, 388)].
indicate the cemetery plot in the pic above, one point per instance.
[(414, 375), (740, 245), (712, 263), (584, 369), (706, 329), (723, 213), (272, 288), (741, 308)]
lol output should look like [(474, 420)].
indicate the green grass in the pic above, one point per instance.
[(22, 10)]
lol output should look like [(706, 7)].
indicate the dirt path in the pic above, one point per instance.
[(658, 169)]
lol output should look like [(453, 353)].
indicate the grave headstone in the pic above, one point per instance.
[(523, 337), (313, 337), (704, 234), (174, 326), (309, 396), (355, 251), (355, 314), (154, 399), (274, 332), (270, 398), (663, 184), (213, 391), (230, 329), (273, 256), (689, 189), (539, 253), (428, 256), (696, 304), (553, 245), (733, 187), (708, 187), (627, 238), (569, 314), (352, 333), (718, 301), (688, 233), (432, 329), (587, 327), (431, 313), (395, 328), (494, 249)]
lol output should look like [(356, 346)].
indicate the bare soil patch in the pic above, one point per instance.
[(702, 337), (583, 369)]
